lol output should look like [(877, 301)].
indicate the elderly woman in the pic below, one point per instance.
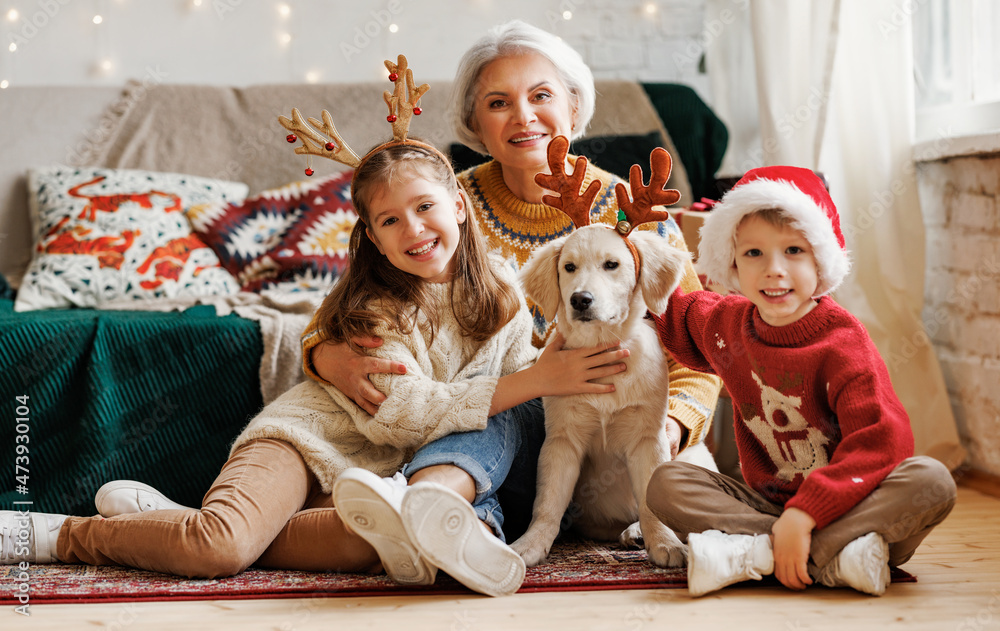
[(516, 89)]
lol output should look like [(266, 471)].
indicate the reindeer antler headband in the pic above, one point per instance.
[(632, 212), (327, 143)]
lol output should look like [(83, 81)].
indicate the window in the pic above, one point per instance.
[(956, 67)]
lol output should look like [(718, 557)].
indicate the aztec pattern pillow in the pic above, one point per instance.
[(103, 235), (292, 238)]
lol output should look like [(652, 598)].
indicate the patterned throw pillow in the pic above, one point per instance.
[(111, 234), (292, 238)]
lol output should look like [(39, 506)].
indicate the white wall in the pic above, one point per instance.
[(239, 42)]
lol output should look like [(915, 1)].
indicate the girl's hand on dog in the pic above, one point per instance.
[(573, 371), (559, 371)]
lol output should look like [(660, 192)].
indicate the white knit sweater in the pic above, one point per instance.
[(448, 387)]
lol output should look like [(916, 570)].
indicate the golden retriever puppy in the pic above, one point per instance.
[(601, 449)]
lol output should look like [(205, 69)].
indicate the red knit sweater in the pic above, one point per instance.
[(817, 423)]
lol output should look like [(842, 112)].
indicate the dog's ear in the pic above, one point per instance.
[(540, 277), (663, 267)]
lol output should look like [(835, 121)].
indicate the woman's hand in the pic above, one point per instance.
[(675, 434), (562, 371), (792, 537), (348, 371)]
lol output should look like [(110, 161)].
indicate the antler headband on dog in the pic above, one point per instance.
[(632, 212), (327, 143)]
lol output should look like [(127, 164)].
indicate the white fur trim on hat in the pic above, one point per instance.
[(717, 249)]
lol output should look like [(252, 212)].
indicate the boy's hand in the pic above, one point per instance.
[(792, 535)]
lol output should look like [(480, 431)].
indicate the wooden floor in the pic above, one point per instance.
[(958, 590)]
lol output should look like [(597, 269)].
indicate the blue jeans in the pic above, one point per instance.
[(502, 459)]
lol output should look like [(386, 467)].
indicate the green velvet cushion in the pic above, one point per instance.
[(698, 134)]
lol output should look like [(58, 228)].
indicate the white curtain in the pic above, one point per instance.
[(834, 88)]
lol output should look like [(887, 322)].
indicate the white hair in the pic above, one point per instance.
[(508, 40)]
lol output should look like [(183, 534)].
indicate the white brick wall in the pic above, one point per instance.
[(960, 198), (643, 40), (250, 43)]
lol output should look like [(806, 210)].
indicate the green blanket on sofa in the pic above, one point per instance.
[(119, 394)]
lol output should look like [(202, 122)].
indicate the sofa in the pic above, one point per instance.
[(155, 386)]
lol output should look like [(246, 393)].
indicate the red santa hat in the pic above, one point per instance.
[(798, 193)]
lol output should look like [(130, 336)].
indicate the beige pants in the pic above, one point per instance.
[(266, 508), (916, 496)]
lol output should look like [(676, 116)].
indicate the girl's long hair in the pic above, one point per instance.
[(482, 302)]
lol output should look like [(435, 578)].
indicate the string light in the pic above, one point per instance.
[(13, 47), (651, 8), (284, 38), (567, 15), (12, 15), (393, 28), (284, 10), (4, 84), (98, 19), (312, 76)]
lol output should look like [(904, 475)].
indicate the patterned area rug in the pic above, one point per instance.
[(572, 566)]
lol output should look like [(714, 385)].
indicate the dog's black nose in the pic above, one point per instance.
[(581, 300)]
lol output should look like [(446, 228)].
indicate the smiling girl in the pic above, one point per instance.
[(303, 486)]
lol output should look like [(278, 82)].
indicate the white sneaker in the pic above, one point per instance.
[(446, 530), (370, 506), (28, 537), (716, 559), (863, 564), (127, 496)]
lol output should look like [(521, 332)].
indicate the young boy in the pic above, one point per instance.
[(832, 493)]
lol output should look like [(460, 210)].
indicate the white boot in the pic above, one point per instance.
[(29, 537), (862, 564), (370, 507), (716, 559), (127, 496), (446, 530)]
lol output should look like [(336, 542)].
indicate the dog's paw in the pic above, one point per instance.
[(631, 537), (532, 551), (668, 555)]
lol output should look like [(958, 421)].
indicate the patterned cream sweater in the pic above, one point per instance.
[(448, 387)]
